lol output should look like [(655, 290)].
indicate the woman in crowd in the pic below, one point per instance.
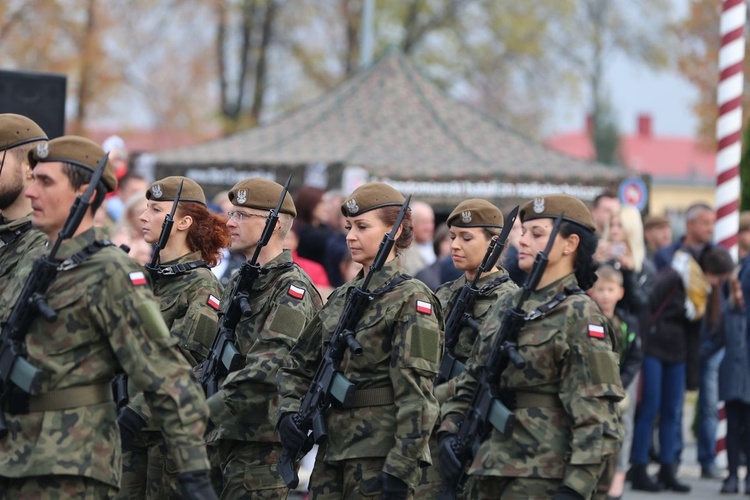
[(564, 398), (377, 445), (188, 294)]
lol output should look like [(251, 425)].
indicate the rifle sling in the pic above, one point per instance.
[(544, 309), (72, 397), (9, 236), (493, 284), (77, 258), (180, 268)]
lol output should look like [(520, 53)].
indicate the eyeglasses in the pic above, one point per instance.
[(239, 216)]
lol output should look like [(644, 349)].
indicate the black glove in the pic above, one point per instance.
[(292, 437), (196, 485), (566, 493), (130, 424), (450, 466), (393, 487)]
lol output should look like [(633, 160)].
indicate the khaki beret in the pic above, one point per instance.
[(166, 189), (78, 151), (475, 213), (17, 130), (261, 194), (369, 197), (652, 221), (549, 207), (744, 221)]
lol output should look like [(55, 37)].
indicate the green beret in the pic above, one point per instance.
[(475, 213), (75, 150), (549, 207), (17, 130), (261, 194), (166, 189), (369, 197)]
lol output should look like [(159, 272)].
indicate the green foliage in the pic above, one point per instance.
[(745, 170), (606, 134)]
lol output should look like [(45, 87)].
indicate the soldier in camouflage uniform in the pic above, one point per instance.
[(283, 301), (473, 224), (377, 446), (64, 442), (188, 294), (18, 135), (568, 423)]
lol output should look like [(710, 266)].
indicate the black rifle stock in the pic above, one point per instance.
[(224, 358), (460, 313), (329, 383), (486, 406), (15, 370), (166, 229)]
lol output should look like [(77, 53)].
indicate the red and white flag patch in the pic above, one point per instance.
[(596, 331), (213, 302), (296, 292), (137, 278), (424, 307)]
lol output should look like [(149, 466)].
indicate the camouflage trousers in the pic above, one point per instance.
[(431, 481), (54, 488), (353, 479), (148, 470), (248, 470), (513, 488)]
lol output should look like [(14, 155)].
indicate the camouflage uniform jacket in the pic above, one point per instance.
[(569, 355), (189, 304), (283, 301), (401, 337), (12, 253), (492, 288), (107, 321)]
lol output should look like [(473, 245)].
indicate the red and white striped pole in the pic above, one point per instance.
[(729, 136), (729, 124)]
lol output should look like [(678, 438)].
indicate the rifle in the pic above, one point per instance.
[(166, 230), (224, 358), (460, 314), (486, 407), (329, 383), (15, 370)]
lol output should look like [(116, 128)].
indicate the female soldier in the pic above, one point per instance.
[(188, 293), (472, 225), (377, 445), (567, 423)]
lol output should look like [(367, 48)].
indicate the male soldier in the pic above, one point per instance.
[(18, 135), (283, 301), (64, 442)]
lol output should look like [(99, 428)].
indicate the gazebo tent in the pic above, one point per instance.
[(391, 123)]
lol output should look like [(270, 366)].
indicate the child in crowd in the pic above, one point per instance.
[(606, 292)]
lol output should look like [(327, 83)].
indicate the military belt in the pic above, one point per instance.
[(382, 396), (537, 400), (64, 399)]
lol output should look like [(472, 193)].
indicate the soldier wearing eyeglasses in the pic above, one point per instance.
[(283, 300)]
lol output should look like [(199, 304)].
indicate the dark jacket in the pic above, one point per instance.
[(734, 371), (665, 329), (631, 351)]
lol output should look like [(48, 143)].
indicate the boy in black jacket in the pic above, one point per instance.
[(606, 292)]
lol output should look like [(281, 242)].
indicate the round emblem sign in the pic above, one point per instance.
[(633, 192)]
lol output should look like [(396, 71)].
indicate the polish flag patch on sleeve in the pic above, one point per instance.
[(424, 307), (137, 278), (296, 292), (596, 331), (213, 302)]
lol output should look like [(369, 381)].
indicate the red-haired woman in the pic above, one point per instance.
[(188, 294)]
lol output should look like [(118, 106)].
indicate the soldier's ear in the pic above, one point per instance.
[(184, 223)]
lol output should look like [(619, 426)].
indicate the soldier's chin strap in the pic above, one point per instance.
[(2, 162)]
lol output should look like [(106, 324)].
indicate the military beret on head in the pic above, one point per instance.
[(369, 197), (549, 207), (475, 213), (166, 189), (76, 150), (17, 130), (261, 194), (652, 221)]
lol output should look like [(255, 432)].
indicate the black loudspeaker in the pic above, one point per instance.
[(39, 96)]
